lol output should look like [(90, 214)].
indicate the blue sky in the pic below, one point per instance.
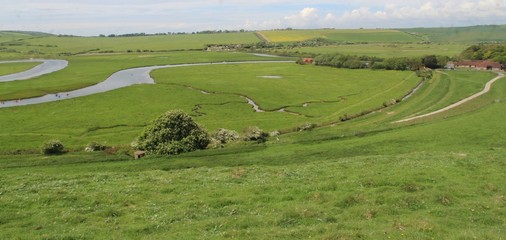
[(93, 17)]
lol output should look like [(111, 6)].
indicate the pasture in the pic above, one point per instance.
[(467, 35), (350, 35), (45, 46), (91, 69), (329, 92), (439, 177), (399, 183), (385, 50)]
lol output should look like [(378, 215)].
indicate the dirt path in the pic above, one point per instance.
[(485, 90), (262, 37)]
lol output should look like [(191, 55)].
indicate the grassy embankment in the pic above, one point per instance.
[(441, 179)]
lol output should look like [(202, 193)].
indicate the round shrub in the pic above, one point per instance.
[(306, 127), (95, 147), (172, 133), (255, 134), (226, 135), (52, 147)]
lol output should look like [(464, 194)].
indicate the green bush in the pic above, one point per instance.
[(255, 134), (53, 147), (225, 135), (174, 132), (306, 127), (95, 147)]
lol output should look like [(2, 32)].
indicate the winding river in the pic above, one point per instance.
[(47, 66), (121, 79)]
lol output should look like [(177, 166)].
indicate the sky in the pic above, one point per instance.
[(94, 17)]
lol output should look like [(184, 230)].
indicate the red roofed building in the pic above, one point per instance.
[(480, 64), (308, 60)]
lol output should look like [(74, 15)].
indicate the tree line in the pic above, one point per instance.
[(396, 63), (494, 52)]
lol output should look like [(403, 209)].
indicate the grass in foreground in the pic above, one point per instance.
[(417, 195), (437, 180)]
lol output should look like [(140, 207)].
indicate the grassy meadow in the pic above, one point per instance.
[(439, 177), (351, 35), (385, 50), (45, 46), (467, 35), (396, 184), (329, 92), (91, 69)]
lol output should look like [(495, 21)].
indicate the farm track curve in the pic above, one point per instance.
[(486, 89)]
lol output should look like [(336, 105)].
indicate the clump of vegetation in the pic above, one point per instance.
[(255, 134), (424, 74), (495, 52), (95, 147), (225, 135), (222, 137), (53, 147), (395, 63), (173, 133), (306, 127)]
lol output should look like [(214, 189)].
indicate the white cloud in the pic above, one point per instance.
[(91, 17), (401, 14), (304, 18)]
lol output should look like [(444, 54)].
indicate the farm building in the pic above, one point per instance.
[(479, 64), (308, 60)]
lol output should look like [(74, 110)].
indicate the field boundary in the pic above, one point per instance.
[(486, 89), (262, 37)]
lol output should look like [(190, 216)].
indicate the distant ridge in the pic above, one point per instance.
[(33, 33), (461, 34), (468, 34)]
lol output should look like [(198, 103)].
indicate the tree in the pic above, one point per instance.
[(255, 134), (53, 147), (430, 61), (174, 132)]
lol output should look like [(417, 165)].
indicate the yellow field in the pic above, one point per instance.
[(347, 35)]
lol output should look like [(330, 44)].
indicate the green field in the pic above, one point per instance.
[(445, 35), (65, 45), (468, 35), (386, 50), (351, 35), (331, 92), (439, 177), (91, 69), (398, 184)]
